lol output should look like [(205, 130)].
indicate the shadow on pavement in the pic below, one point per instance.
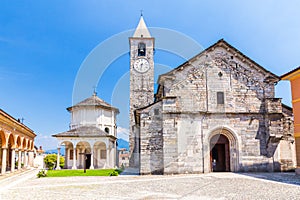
[(130, 171), (282, 177)]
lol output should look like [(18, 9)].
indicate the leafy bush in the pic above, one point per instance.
[(42, 173), (114, 173), (17, 164), (119, 170), (51, 160)]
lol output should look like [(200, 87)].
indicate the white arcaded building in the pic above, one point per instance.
[(92, 134)]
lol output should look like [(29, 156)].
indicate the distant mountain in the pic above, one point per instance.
[(54, 151), (123, 144)]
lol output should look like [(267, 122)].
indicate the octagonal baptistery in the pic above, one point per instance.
[(92, 134)]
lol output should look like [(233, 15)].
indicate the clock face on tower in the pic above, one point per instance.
[(141, 65)]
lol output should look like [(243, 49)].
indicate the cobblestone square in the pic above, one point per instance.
[(203, 186)]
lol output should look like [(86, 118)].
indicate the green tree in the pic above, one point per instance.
[(50, 161)]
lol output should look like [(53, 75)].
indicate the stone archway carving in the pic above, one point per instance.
[(233, 145), (67, 145), (100, 154)]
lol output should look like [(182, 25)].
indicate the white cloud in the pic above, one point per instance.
[(123, 133)]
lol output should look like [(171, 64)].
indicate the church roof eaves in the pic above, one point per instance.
[(95, 101), (218, 43), (83, 131), (290, 74), (143, 108), (138, 111), (9, 117), (287, 107)]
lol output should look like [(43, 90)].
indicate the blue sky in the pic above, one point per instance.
[(44, 43)]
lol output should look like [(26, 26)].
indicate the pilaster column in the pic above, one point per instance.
[(30, 159), (112, 157), (92, 158), (107, 158), (13, 155), (19, 159), (25, 159), (69, 157), (66, 158), (3, 168), (58, 159), (98, 158), (74, 159), (80, 158)]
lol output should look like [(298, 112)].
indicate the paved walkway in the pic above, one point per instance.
[(203, 186)]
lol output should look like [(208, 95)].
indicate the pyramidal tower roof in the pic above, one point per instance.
[(141, 29)]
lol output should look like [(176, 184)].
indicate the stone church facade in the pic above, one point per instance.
[(215, 112)]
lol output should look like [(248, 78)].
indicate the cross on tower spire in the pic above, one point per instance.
[(141, 29), (94, 92)]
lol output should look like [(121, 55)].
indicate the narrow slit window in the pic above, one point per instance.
[(220, 97)]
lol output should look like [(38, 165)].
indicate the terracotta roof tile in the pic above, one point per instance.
[(94, 100), (83, 131)]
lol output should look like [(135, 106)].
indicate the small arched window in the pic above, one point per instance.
[(106, 130), (141, 49)]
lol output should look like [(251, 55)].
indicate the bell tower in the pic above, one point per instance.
[(141, 81)]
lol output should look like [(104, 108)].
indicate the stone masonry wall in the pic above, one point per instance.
[(141, 91), (250, 117), (151, 140), (245, 110)]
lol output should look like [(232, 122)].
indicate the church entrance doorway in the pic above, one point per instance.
[(220, 154)]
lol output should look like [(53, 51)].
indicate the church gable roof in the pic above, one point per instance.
[(94, 100), (222, 43)]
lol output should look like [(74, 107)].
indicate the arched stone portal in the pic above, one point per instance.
[(68, 146), (219, 154), (100, 155), (223, 147)]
